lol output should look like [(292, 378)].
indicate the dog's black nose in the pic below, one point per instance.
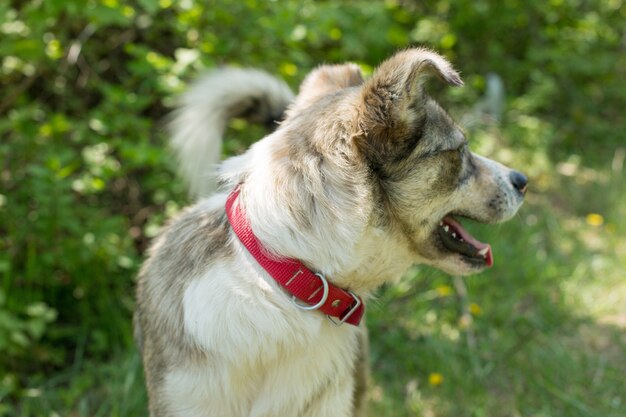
[(519, 181)]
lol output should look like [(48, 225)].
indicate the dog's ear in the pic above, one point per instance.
[(327, 79), (392, 102)]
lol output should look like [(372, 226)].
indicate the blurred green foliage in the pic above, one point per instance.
[(86, 180)]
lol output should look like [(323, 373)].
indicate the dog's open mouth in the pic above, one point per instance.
[(456, 239)]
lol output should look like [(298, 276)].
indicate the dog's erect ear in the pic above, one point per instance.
[(392, 100), (401, 78), (327, 79)]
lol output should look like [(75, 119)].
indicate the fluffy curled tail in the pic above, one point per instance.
[(198, 124)]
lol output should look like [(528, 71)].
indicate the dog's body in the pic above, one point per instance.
[(359, 182)]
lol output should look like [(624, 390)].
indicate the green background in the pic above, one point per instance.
[(86, 181)]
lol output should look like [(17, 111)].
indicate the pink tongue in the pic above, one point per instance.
[(458, 228)]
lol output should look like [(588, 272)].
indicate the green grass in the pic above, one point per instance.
[(111, 389)]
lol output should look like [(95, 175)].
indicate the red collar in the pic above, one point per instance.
[(310, 288)]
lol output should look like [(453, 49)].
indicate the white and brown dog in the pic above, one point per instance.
[(361, 180)]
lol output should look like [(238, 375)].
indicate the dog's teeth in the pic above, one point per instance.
[(483, 252), (440, 223), (446, 228), (453, 234), (461, 239)]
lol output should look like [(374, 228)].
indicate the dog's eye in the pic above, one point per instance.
[(462, 147)]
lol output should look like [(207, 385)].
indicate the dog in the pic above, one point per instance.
[(250, 302)]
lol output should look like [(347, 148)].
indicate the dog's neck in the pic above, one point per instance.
[(324, 225)]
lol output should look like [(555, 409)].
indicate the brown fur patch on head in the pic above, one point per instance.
[(327, 79), (393, 103)]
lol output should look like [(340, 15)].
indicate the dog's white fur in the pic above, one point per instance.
[(220, 337)]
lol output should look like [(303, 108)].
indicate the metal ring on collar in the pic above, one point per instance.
[(321, 302)]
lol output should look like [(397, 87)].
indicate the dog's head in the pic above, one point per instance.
[(423, 177), (428, 177)]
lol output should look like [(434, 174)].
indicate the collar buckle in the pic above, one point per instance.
[(354, 308)]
